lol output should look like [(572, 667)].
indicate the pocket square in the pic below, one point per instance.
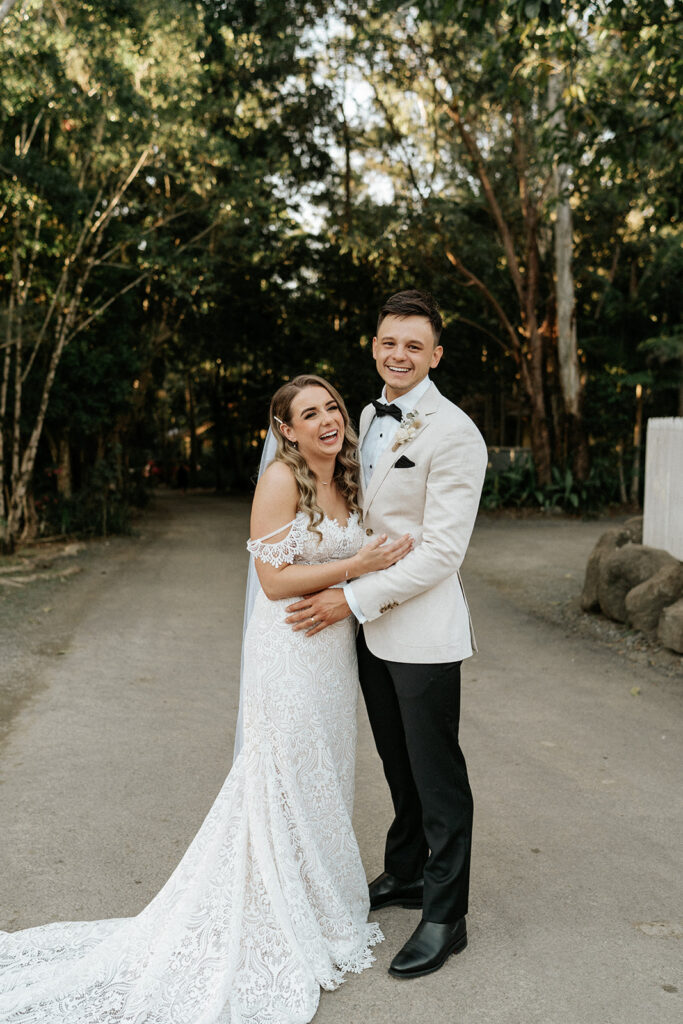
[(404, 463)]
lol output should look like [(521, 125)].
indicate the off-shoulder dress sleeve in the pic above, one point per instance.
[(282, 552)]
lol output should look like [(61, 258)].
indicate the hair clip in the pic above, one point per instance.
[(278, 420)]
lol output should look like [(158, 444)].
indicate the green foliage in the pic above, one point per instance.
[(100, 508), (518, 487), (487, 10), (545, 10), (86, 514), (300, 167), (88, 102)]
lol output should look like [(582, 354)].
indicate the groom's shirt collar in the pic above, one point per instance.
[(381, 431), (410, 399)]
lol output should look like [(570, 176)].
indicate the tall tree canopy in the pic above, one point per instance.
[(198, 200)]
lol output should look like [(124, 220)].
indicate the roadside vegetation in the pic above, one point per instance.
[(198, 200)]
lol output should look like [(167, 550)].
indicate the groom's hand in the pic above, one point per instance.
[(317, 611)]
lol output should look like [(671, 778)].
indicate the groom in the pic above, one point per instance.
[(423, 464)]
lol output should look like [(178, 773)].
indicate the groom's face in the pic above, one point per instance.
[(404, 352)]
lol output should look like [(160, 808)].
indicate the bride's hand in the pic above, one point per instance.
[(378, 554)]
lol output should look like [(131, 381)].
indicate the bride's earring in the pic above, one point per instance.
[(281, 425)]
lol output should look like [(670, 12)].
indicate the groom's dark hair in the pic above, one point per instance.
[(413, 303)]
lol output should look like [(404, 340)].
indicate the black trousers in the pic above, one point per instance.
[(414, 712)]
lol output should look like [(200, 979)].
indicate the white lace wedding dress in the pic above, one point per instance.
[(270, 901)]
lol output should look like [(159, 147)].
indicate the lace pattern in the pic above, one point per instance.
[(285, 551), (282, 552), (269, 903)]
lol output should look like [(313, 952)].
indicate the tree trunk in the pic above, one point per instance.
[(525, 278), (623, 497), (4, 387), (30, 518), (18, 362), (637, 432), (488, 417), (192, 426), (21, 485), (64, 477), (502, 414), (528, 358), (534, 383), (347, 173), (540, 440), (218, 429), (567, 346)]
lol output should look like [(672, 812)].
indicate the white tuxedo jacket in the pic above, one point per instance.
[(416, 609)]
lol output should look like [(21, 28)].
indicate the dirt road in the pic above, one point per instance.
[(119, 701)]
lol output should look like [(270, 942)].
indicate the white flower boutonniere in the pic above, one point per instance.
[(407, 428)]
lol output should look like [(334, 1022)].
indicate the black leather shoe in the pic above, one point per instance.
[(428, 948), (389, 891)]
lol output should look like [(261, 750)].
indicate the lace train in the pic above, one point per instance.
[(269, 903), (245, 908)]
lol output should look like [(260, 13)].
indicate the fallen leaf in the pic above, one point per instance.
[(661, 929)]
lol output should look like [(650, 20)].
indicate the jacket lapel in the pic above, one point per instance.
[(425, 408), (365, 421)]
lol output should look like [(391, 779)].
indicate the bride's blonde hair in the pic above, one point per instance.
[(346, 469)]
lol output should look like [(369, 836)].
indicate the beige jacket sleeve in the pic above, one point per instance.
[(454, 483)]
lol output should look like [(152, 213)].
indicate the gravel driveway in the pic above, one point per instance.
[(118, 692)]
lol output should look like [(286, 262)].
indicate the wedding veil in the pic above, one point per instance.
[(253, 587)]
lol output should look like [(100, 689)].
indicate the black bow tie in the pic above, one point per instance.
[(382, 409)]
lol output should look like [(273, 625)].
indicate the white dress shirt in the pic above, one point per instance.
[(377, 439)]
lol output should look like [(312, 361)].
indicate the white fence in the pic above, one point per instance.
[(663, 505)]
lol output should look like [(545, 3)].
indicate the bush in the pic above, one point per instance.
[(97, 510), (87, 514), (518, 487)]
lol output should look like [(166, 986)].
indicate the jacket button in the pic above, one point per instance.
[(369, 531)]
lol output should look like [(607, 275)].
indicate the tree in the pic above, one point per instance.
[(200, 200), (130, 137), (75, 138)]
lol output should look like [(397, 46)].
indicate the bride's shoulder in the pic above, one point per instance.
[(277, 470), (278, 482), (276, 499)]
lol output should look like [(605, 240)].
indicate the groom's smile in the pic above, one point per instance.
[(404, 352)]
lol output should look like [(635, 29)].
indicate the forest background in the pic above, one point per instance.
[(202, 198)]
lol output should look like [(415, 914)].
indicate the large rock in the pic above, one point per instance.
[(646, 602), (670, 630), (634, 527), (622, 570), (630, 533)]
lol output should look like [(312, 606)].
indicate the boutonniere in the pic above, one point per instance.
[(407, 428)]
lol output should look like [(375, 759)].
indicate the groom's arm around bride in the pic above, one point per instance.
[(423, 476), (419, 612)]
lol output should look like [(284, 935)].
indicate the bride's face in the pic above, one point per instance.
[(315, 423)]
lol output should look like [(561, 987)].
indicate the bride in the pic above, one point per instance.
[(270, 902)]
